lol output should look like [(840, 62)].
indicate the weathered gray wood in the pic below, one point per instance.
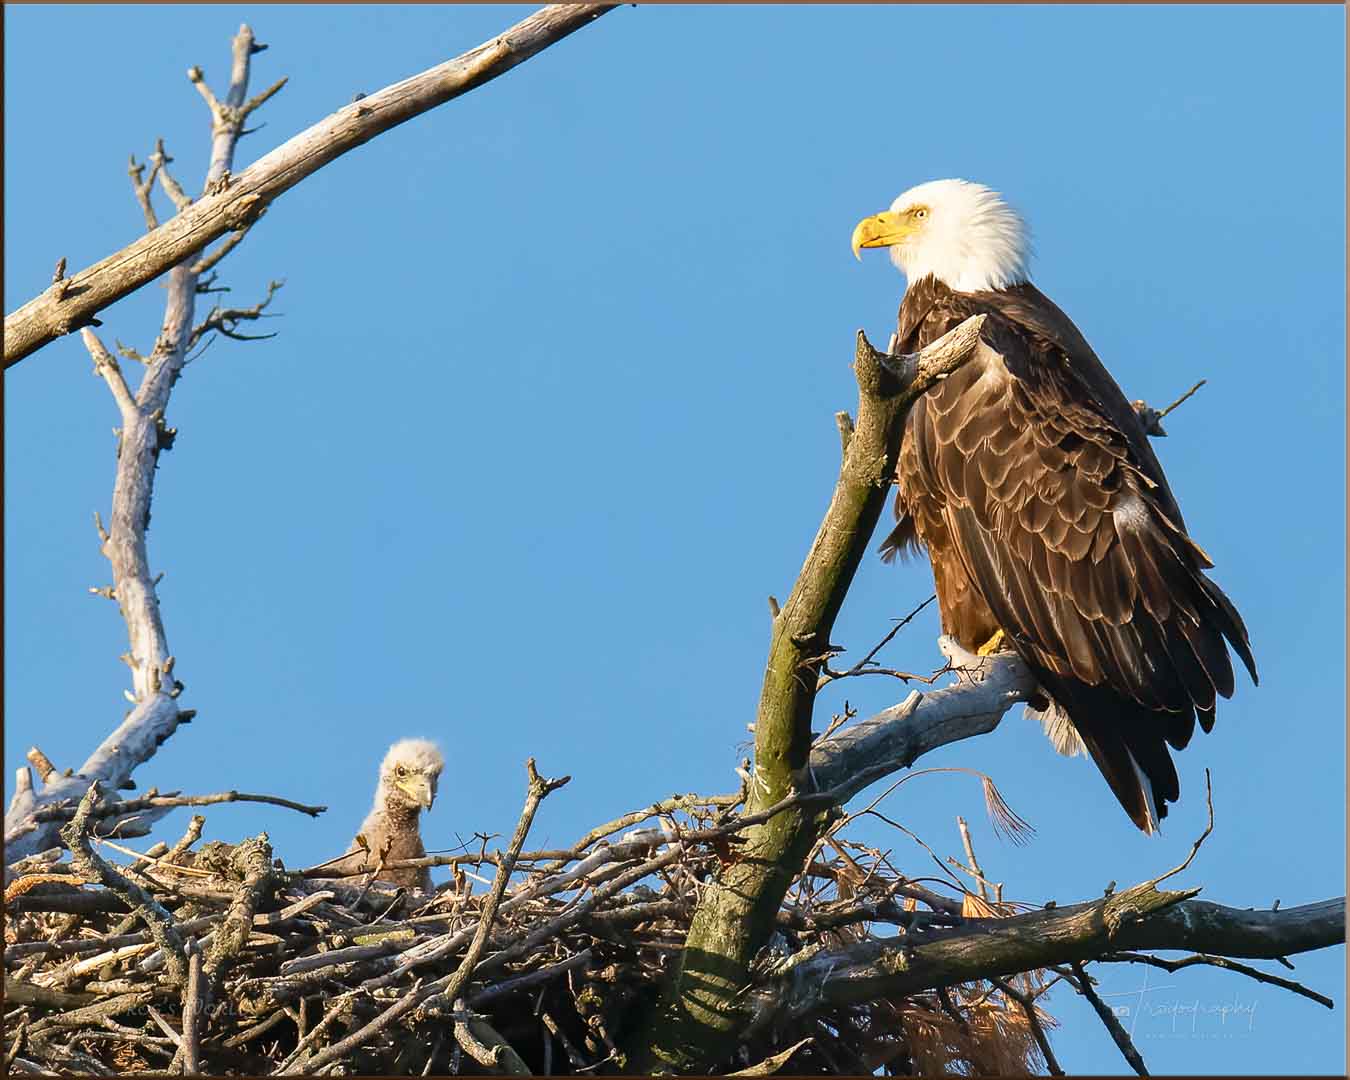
[(863, 752), (234, 202), (143, 435)]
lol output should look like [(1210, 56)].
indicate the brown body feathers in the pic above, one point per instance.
[(1045, 513)]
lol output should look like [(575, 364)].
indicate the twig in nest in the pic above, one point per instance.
[(483, 1043), (192, 1010), (574, 1055), (157, 919), (252, 860), (452, 985), (152, 801)]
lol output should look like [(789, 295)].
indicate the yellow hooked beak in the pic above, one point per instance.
[(420, 790), (881, 230)]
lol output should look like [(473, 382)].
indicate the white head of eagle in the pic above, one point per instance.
[(959, 232)]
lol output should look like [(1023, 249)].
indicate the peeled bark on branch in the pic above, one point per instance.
[(893, 739), (233, 203)]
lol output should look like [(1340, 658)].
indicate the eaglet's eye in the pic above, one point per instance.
[(400, 771)]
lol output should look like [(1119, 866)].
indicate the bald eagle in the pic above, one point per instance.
[(1048, 521), (407, 786)]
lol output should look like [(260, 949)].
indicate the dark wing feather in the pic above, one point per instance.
[(1033, 485)]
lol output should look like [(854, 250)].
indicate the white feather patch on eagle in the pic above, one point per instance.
[(1146, 785), (1058, 729), (971, 239)]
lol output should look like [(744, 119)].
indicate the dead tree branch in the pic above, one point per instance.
[(143, 435), (1142, 917), (1119, 1035), (232, 202)]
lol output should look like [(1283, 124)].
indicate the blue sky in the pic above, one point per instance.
[(551, 413)]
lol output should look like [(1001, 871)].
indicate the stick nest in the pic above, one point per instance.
[(281, 965)]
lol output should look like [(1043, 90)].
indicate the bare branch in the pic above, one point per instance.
[(45, 318), (142, 189), (226, 320), (482, 1043), (151, 800), (208, 261), (698, 1006), (1221, 962), (1141, 917), (1033, 1021), (189, 1054), (864, 665), (895, 738), (107, 366), (1108, 1018)]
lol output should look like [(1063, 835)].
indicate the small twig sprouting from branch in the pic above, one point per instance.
[(1195, 847), (210, 259), (258, 100), (198, 79), (1034, 1022), (142, 188), (127, 352), (226, 320), (1181, 399), (106, 365), (1220, 962), (861, 667), (153, 800), (1152, 418), (978, 873), (174, 190)]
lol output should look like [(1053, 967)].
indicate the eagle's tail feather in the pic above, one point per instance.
[(1129, 743)]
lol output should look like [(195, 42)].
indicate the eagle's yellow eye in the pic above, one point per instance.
[(921, 213)]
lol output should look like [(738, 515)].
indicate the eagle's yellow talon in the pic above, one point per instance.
[(992, 645)]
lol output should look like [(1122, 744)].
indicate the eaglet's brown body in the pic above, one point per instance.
[(1046, 515)]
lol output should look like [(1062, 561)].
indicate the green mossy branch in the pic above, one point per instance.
[(701, 1012)]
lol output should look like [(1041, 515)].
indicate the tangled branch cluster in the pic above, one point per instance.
[(216, 958)]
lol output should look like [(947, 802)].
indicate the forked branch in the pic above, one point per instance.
[(232, 202)]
